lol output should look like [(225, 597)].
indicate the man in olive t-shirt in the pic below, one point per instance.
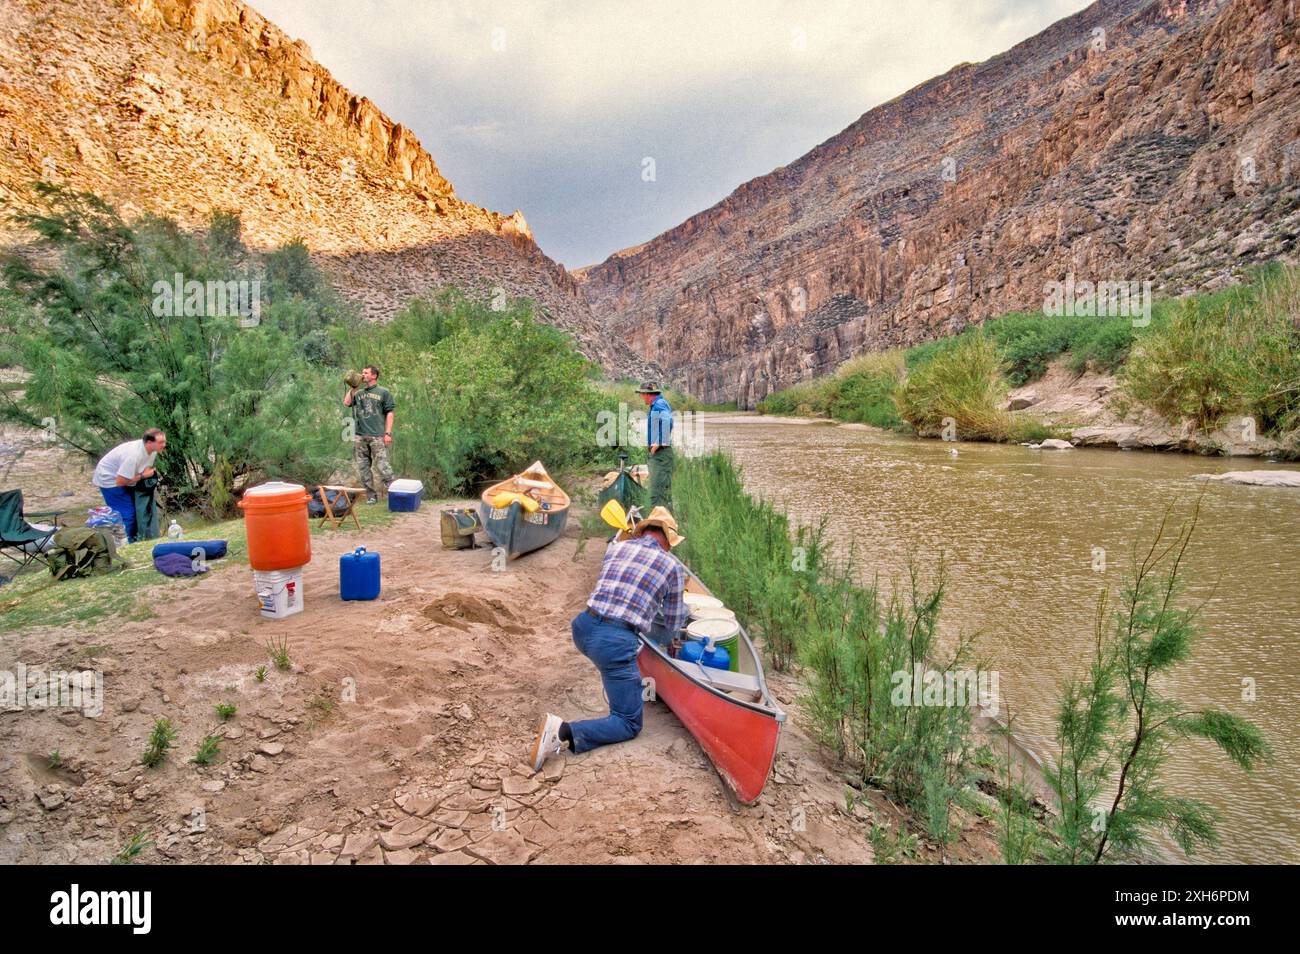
[(372, 410)]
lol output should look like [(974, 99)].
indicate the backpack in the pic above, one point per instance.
[(459, 524), (82, 551), (338, 503)]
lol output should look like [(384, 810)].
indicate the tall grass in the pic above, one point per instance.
[(1227, 354), (960, 387), (746, 551), (860, 390), (855, 651), (805, 607)]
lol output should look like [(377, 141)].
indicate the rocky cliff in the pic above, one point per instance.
[(1139, 140), (184, 106)]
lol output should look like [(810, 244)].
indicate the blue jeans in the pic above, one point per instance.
[(119, 498), (613, 649)]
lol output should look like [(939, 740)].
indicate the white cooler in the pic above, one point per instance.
[(279, 592)]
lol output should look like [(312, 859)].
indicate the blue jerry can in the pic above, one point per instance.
[(359, 575)]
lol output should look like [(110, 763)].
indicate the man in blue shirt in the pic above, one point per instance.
[(659, 441), (639, 579)]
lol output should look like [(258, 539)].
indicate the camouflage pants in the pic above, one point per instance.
[(370, 452)]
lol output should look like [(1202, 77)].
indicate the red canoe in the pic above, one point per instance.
[(731, 714)]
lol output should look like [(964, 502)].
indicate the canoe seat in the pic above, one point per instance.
[(537, 484), (723, 679)]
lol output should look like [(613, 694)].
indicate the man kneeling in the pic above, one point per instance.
[(638, 578)]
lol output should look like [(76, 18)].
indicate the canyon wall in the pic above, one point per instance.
[(1134, 141)]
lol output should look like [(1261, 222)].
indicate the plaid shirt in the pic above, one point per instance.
[(637, 579)]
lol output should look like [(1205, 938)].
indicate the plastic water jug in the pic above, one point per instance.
[(717, 658), (359, 575), (698, 652)]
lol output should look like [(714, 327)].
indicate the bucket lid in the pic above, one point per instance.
[(273, 487), (712, 612), (701, 599), (713, 628)]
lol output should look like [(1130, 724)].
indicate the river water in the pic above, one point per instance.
[(1017, 529)]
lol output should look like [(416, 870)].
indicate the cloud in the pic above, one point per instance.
[(551, 106)]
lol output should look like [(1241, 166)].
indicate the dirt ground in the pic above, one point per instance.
[(398, 736)]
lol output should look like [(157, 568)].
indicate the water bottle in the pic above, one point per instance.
[(174, 531)]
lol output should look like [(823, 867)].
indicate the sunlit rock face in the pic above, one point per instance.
[(180, 107)]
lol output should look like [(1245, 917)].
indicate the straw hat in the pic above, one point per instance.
[(649, 387), (661, 518)]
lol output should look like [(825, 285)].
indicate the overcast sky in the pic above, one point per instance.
[(554, 106)]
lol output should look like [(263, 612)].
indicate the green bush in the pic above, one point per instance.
[(805, 398), (482, 391), (860, 390), (106, 361), (1030, 341), (1234, 353), (962, 383)]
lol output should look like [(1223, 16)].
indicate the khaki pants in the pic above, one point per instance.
[(661, 478), (370, 452)]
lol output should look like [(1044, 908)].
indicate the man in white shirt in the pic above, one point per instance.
[(124, 466)]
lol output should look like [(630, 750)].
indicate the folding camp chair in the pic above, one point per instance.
[(336, 515), (19, 540)]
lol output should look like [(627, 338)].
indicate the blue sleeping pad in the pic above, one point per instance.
[(212, 549)]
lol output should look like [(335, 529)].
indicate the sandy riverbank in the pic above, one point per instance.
[(451, 668)]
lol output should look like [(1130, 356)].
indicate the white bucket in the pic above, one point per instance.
[(712, 612), (279, 592), (699, 600), (718, 630)]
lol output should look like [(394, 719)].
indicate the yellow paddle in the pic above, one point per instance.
[(614, 515)]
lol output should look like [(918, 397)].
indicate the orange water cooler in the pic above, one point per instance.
[(279, 540)]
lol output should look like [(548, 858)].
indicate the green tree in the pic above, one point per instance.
[(1116, 728), (107, 352)]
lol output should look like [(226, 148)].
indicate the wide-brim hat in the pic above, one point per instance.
[(649, 387), (661, 518)]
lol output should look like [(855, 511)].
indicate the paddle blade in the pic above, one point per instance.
[(614, 515)]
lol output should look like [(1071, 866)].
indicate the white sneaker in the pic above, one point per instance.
[(548, 741)]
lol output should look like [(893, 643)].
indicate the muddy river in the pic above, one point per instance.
[(1023, 532)]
